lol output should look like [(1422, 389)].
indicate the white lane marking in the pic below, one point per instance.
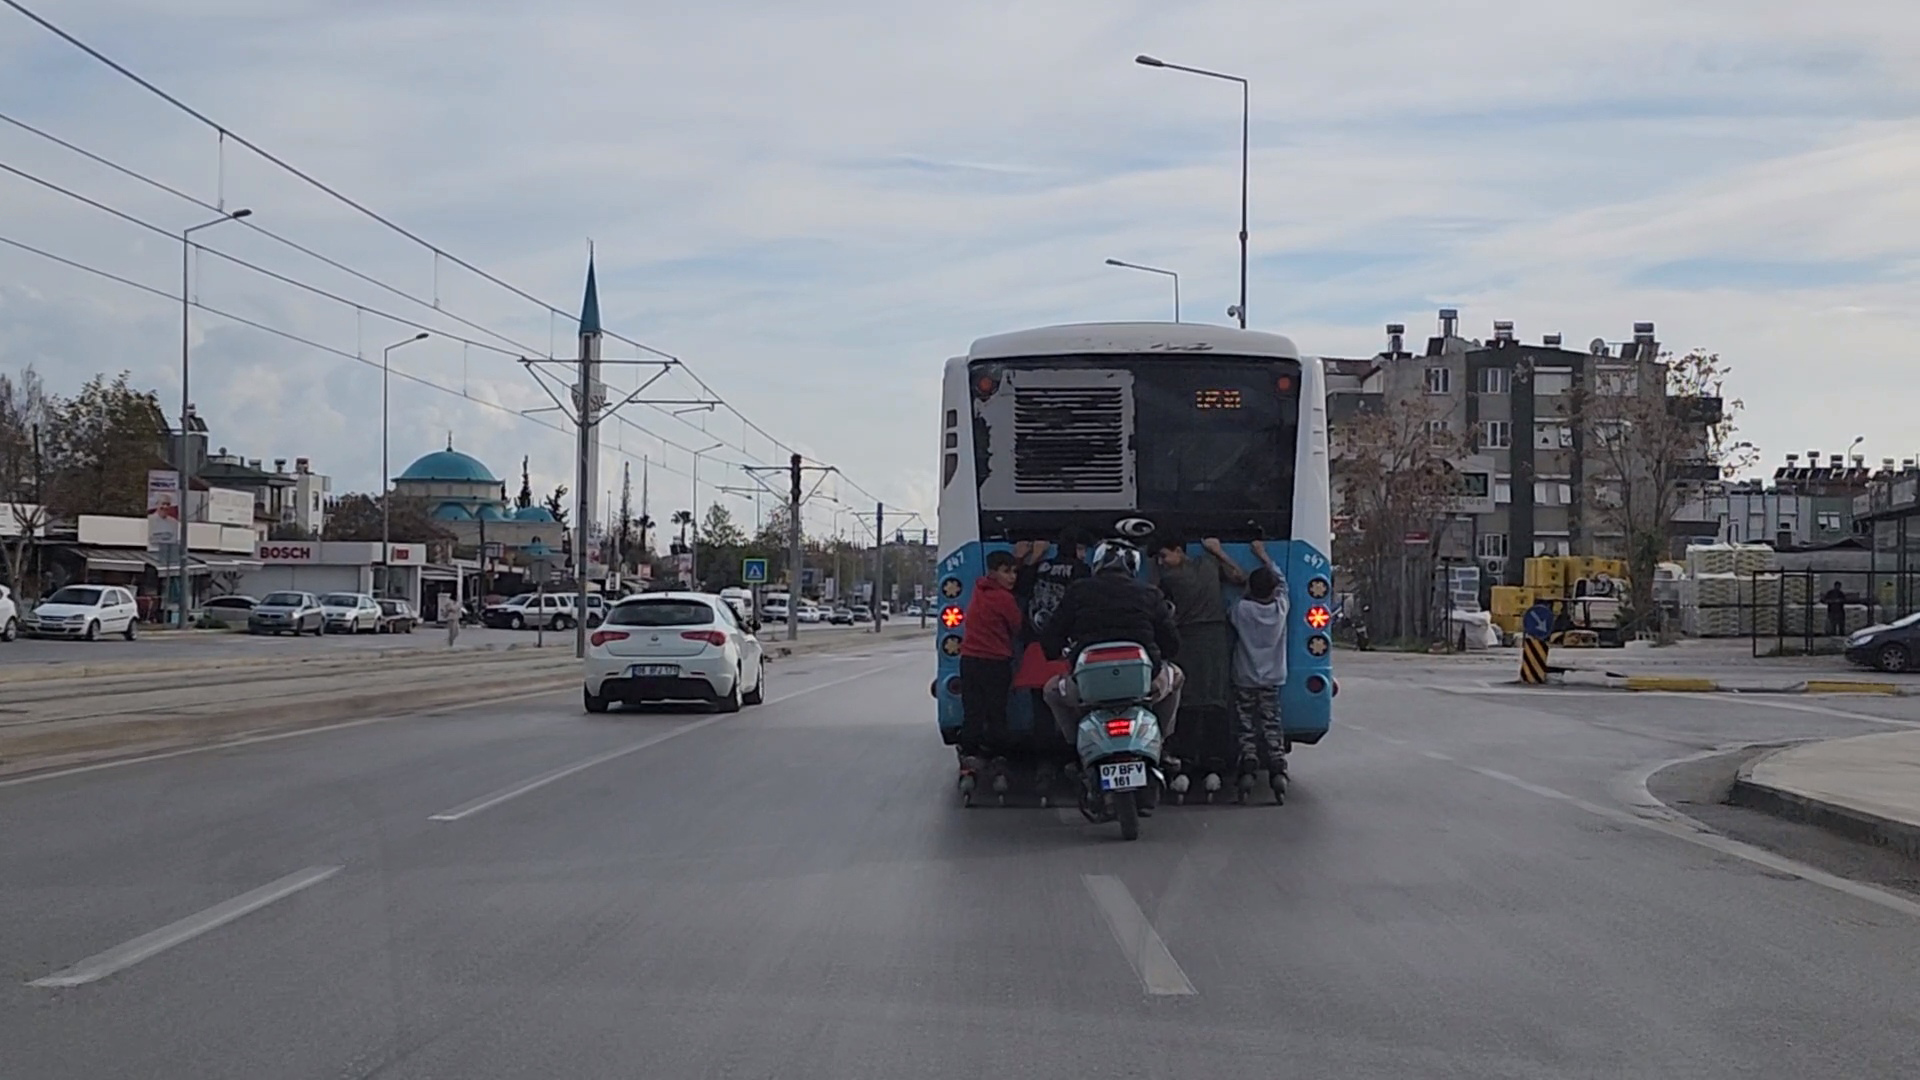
[(488, 802), (1680, 827), (1821, 710), (1434, 754), (1156, 967), (121, 957), (274, 736)]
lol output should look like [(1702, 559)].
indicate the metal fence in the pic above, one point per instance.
[(1806, 612)]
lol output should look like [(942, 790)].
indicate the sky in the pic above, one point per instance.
[(812, 206)]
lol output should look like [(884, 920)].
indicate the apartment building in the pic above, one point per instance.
[(1533, 481)]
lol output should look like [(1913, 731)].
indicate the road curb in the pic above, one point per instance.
[(1847, 821), (1686, 684)]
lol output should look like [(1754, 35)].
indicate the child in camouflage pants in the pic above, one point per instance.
[(1259, 668)]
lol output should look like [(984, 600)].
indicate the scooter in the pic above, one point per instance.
[(1118, 741)]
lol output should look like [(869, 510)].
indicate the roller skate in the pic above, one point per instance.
[(1249, 771), (1277, 779), (997, 771), (969, 778)]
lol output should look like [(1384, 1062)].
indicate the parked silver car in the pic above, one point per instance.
[(289, 612), (233, 612)]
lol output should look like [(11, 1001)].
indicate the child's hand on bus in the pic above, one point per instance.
[(1260, 552), (1212, 546)]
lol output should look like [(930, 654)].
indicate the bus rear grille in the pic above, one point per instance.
[(1068, 440)]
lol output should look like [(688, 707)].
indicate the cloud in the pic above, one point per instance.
[(816, 205)]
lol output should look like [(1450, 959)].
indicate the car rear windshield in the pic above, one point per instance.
[(340, 599), (284, 599), (661, 613)]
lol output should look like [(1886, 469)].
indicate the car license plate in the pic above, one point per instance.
[(1123, 775), (652, 671)]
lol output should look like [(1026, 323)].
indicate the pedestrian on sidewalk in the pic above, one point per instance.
[(993, 620), (1259, 670)]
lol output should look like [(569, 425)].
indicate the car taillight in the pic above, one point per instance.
[(601, 637), (1120, 728), (711, 637)]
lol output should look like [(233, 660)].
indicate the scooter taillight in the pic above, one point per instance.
[(1119, 728)]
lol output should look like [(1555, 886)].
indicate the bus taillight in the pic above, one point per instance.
[(951, 616), (1319, 617)]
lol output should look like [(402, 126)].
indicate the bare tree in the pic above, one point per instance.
[(25, 410), (1393, 476), (1655, 431)]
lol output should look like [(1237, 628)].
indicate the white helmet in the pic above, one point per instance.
[(1116, 555)]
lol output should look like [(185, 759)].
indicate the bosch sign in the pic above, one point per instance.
[(287, 553)]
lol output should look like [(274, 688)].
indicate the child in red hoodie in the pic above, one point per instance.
[(993, 621)]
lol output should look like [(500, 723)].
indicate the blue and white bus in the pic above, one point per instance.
[(1133, 429)]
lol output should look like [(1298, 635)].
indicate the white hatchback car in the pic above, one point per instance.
[(85, 612), (674, 646)]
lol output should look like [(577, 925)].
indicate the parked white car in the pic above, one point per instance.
[(674, 646), (9, 615), (85, 612), (350, 613)]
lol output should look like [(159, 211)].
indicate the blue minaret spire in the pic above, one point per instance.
[(590, 307)]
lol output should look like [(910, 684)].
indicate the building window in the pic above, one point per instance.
[(1829, 520), (1606, 433), (1475, 485), (1608, 493), (1502, 490), (1614, 381), (1492, 545), (1551, 436), (1496, 434), (1546, 383), (1438, 430), (1550, 493), (1495, 380), (1550, 547), (1439, 380)]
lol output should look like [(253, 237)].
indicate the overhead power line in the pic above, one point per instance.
[(226, 133), (320, 346)]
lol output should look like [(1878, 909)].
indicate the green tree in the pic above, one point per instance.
[(556, 505), (719, 530), (99, 447)]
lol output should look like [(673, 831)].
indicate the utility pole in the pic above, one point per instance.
[(793, 551), (879, 566), (587, 405), (795, 500)]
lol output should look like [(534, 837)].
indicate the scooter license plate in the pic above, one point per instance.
[(1123, 776)]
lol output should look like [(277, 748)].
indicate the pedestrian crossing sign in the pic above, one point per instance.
[(754, 571)]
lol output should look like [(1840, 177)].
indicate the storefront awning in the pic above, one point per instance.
[(226, 564), (118, 560)]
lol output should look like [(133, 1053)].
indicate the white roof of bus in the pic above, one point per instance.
[(1138, 337)]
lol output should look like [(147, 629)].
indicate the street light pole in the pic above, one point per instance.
[(386, 474), (1155, 270), (185, 464), (1246, 112), (693, 527)]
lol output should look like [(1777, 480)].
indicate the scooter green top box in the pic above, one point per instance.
[(1113, 673)]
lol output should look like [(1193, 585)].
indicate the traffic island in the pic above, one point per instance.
[(1865, 788)]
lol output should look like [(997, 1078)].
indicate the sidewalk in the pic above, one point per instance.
[(1722, 665), (1866, 787)]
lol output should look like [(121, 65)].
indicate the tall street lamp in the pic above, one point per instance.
[(1239, 310), (693, 527), (386, 474), (186, 407), (1155, 270)]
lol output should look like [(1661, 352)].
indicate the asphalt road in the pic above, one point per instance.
[(228, 645), (1462, 885)]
